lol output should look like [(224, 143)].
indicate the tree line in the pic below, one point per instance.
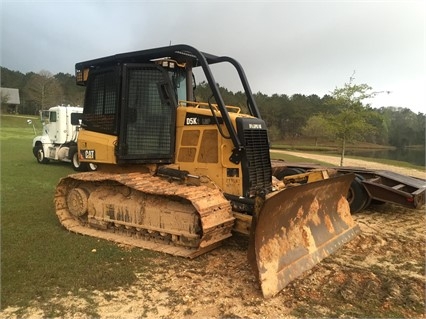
[(40, 91), (340, 115)]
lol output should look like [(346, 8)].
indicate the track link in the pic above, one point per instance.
[(116, 207)]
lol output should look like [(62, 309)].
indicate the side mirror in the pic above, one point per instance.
[(30, 122)]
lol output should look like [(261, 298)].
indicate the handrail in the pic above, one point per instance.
[(231, 108)]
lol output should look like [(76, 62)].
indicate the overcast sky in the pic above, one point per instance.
[(285, 47)]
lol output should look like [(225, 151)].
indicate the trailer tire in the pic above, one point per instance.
[(357, 197), (40, 155), (289, 171)]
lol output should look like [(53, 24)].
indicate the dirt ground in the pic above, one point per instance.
[(381, 273)]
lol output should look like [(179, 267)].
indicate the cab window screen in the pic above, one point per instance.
[(100, 106), (150, 125)]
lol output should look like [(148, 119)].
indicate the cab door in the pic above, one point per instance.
[(148, 115)]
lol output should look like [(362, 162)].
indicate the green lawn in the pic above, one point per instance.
[(39, 258)]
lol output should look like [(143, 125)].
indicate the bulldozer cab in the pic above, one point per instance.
[(134, 96), (136, 102)]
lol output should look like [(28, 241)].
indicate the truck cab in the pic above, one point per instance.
[(58, 141)]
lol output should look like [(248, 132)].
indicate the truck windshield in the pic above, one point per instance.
[(45, 116)]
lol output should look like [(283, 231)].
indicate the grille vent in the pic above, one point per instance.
[(257, 162)]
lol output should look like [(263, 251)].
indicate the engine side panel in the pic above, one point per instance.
[(203, 151), (96, 147)]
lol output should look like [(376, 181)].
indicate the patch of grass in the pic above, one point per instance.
[(389, 162), (308, 145), (40, 260), (15, 126), (291, 158)]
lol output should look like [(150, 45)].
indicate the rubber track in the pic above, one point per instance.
[(214, 210)]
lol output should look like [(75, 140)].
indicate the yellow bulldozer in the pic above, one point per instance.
[(179, 176)]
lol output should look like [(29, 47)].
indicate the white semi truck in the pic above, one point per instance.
[(58, 141)]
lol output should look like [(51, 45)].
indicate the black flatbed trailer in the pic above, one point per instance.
[(369, 185)]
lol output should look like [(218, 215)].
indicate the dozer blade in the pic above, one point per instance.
[(298, 227)]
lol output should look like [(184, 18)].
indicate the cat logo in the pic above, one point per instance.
[(88, 154)]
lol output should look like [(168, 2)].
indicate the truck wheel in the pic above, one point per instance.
[(357, 197), (76, 165), (40, 156), (92, 167)]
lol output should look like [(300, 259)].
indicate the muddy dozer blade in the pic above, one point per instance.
[(298, 227)]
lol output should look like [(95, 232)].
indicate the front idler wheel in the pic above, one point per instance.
[(77, 201)]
